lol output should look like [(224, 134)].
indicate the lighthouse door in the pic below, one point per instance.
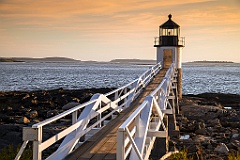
[(167, 58)]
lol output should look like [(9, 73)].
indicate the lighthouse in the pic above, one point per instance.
[(169, 46)]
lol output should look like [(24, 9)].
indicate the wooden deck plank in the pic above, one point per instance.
[(103, 144), (104, 151), (111, 155)]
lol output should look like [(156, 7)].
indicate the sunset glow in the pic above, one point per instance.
[(110, 29)]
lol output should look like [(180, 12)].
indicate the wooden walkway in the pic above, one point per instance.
[(102, 146)]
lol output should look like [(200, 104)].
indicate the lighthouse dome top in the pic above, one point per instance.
[(170, 24)]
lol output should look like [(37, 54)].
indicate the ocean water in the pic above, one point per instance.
[(197, 78), (44, 76), (216, 78)]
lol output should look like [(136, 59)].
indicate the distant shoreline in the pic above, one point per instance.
[(9, 60), (114, 61), (47, 59), (68, 60), (211, 62)]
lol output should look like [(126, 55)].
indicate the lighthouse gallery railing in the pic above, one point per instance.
[(116, 100), (181, 41)]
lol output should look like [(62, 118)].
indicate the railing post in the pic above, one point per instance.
[(37, 152), (99, 117), (138, 134), (159, 98), (120, 144), (116, 95), (74, 117), (125, 99), (137, 124)]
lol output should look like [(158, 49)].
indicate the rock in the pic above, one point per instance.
[(52, 113), (65, 120), (3, 117), (9, 108), (26, 109), (195, 156), (210, 147), (192, 148), (23, 120), (202, 131), (191, 126), (201, 138), (26, 96), (10, 119), (76, 99), (201, 125), (34, 101), (36, 120), (235, 136), (235, 124), (70, 105), (33, 114), (234, 145), (213, 157), (222, 148), (214, 122)]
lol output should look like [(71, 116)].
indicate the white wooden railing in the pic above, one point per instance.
[(114, 101), (136, 136)]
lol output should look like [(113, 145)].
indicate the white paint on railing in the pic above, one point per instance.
[(147, 120), (80, 125)]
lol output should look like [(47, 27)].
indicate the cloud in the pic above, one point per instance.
[(80, 23), (115, 15)]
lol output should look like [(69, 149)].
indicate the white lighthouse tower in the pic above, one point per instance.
[(169, 48)]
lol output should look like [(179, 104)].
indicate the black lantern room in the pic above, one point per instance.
[(169, 34)]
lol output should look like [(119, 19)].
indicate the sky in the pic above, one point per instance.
[(103, 30)]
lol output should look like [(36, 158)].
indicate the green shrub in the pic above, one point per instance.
[(232, 156), (181, 155), (9, 153)]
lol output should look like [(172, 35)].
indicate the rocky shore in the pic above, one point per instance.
[(209, 126), (209, 123), (20, 109)]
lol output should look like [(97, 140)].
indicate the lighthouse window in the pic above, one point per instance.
[(169, 32)]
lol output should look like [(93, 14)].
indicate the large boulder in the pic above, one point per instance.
[(52, 113), (33, 114), (23, 120), (222, 148)]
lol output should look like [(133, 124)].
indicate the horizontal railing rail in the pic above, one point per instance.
[(114, 101), (136, 136)]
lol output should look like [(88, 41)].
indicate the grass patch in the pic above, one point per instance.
[(181, 155), (233, 156), (10, 152)]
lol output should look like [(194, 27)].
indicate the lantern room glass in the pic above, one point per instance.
[(169, 31)]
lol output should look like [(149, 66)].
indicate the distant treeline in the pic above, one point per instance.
[(133, 61), (64, 59), (47, 59), (211, 62), (9, 60)]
